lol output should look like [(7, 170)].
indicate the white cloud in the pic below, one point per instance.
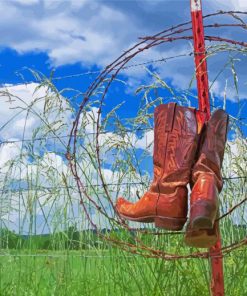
[(233, 4), (96, 32), (146, 141), (90, 32), (22, 107), (68, 31), (25, 2), (46, 168), (14, 100), (8, 152)]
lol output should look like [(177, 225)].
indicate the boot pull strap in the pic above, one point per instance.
[(170, 116)]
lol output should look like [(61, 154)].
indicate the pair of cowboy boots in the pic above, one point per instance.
[(185, 151)]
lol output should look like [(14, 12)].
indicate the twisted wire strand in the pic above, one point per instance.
[(171, 34), (114, 69)]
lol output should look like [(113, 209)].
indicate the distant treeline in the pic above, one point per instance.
[(71, 239)]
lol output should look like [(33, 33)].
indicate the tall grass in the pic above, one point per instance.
[(48, 246)]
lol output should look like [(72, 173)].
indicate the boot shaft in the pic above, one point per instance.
[(207, 183), (211, 151), (175, 145)]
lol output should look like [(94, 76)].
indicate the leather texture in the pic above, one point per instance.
[(175, 145), (207, 182)]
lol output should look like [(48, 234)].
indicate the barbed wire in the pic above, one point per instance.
[(19, 190), (171, 34), (115, 132), (50, 255), (121, 63), (154, 61), (51, 188), (162, 59)]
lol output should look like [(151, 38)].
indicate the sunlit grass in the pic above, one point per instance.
[(73, 260)]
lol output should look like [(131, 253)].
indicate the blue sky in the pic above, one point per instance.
[(73, 37), (76, 37)]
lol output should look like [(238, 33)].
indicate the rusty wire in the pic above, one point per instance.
[(168, 35)]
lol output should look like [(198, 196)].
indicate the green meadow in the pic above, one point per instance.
[(90, 266), (113, 272)]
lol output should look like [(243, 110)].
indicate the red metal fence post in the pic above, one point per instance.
[(217, 277)]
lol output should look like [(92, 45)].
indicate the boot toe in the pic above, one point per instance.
[(120, 205)]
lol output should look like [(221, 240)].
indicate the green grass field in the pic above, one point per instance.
[(113, 272)]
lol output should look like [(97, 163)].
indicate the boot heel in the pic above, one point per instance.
[(169, 223), (202, 215)]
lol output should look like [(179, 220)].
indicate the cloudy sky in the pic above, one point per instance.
[(75, 37), (90, 32), (78, 38)]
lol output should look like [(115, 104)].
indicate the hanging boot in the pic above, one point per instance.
[(175, 145), (207, 183)]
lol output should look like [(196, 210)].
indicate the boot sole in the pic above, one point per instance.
[(201, 222), (160, 222), (170, 223), (202, 215), (203, 238)]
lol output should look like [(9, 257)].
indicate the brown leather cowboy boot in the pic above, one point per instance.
[(175, 145), (207, 183)]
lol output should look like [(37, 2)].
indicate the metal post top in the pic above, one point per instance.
[(195, 5)]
